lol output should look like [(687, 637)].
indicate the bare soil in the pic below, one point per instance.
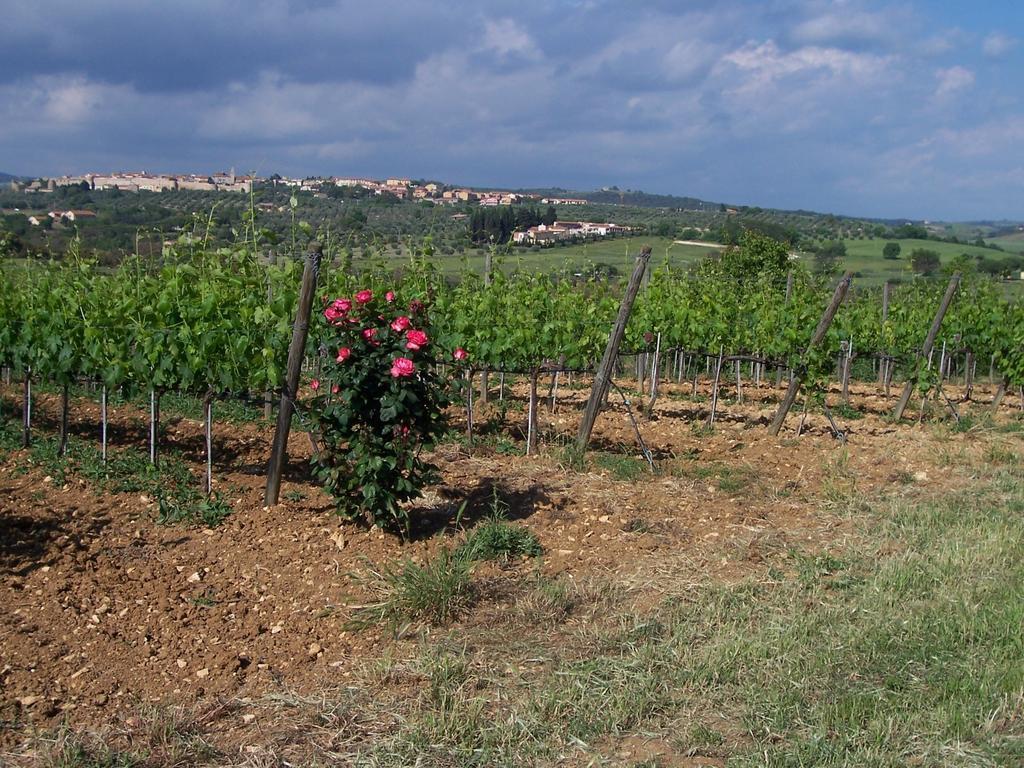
[(101, 609)]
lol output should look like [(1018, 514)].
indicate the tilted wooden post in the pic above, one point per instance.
[(926, 349), (819, 333), (296, 351), (603, 377)]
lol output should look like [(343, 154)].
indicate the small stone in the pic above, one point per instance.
[(204, 672), (195, 577), (314, 650), (101, 700), (249, 719), (181, 663)]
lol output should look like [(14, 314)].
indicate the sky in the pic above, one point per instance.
[(885, 109)]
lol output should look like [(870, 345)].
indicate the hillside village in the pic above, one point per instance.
[(396, 188)]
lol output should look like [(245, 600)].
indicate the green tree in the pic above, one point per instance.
[(891, 251), (828, 257), (755, 256), (924, 261)]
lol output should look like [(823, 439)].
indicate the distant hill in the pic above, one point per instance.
[(6, 178), (616, 196)]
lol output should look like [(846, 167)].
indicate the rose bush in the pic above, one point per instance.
[(386, 404)]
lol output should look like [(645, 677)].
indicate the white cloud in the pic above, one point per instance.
[(766, 63), (997, 45), (847, 24), (953, 80), (506, 36)]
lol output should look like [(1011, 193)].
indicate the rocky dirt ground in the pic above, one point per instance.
[(103, 612)]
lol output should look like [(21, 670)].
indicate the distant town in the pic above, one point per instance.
[(398, 188), (403, 189)]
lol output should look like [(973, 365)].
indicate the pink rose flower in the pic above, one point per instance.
[(344, 353), (364, 296), (337, 310), (402, 366), (460, 353), (335, 389), (389, 297), (400, 323), (314, 384), (370, 335), (415, 340), (416, 306)]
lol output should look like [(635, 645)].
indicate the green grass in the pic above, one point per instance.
[(1010, 243), (864, 256), (905, 650), (435, 592), (494, 539)]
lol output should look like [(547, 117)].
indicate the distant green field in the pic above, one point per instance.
[(1010, 243), (618, 252), (864, 257)]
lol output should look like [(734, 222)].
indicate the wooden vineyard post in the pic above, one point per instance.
[(208, 437), (789, 294), (469, 408), (268, 395), (154, 426), (484, 378), (926, 348), (26, 411), (714, 387), (602, 379), (997, 399), (883, 367), (531, 416), (64, 407), (103, 423), (289, 392), (797, 379)]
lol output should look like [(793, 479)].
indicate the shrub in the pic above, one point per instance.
[(377, 404), (435, 592)]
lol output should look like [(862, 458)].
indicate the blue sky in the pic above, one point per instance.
[(889, 109)]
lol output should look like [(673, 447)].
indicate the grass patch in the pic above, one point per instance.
[(621, 467), (434, 593), (905, 651), (493, 538)]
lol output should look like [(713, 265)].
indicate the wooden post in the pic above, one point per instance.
[(819, 333), (484, 374), (714, 387), (602, 378), (208, 434), (289, 392), (655, 375), (789, 294), (268, 395), (997, 399), (26, 411), (469, 408), (103, 424), (64, 407), (926, 349), (884, 363), (531, 425), (154, 426)]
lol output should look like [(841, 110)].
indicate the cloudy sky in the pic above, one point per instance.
[(906, 108)]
